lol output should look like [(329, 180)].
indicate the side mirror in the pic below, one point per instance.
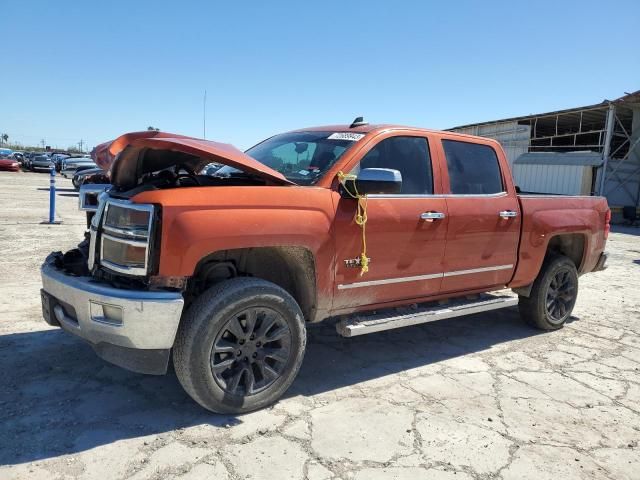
[(377, 181)]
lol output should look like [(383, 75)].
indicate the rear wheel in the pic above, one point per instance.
[(553, 295), (240, 345)]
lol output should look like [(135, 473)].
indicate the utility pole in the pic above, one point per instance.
[(80, 144), (43, 143), (204, 116)]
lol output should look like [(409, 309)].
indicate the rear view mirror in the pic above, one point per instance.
[(301, 147), (371, 181)]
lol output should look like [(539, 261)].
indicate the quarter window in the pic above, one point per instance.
[(409, 155), (473, 168)]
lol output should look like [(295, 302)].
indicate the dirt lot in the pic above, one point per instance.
[(477, 397)]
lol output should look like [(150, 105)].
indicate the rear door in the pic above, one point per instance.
[(484, 216)]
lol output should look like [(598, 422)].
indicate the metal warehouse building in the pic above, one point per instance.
[(593, 149)]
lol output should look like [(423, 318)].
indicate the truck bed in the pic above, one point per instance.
[(580, 220)]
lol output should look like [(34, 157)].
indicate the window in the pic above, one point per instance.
[(409, 155), (302, 157), (473, 168)]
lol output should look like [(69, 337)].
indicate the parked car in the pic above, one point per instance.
[(72, 159), (73, 164), (17, 156), (223, 272), (9, 164), (82, 173), (58, 159), (40, 162)]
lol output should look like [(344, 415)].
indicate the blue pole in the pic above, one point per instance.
[(52, 195)]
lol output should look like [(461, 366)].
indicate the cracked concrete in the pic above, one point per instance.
[(470, 398)]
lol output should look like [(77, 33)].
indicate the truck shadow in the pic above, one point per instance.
[(57, 397)]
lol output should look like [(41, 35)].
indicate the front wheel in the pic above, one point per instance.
[(240, 345), (553, 295)]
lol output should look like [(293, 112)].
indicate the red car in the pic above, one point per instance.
[(9, 165)]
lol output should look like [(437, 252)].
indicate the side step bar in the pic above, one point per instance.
[(388, 319)]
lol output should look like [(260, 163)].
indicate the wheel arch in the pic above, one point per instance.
[(291, 267), (571, 245)]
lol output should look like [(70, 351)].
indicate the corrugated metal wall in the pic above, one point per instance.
[(514, 138), (561, 179)]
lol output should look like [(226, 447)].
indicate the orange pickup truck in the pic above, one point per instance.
[(351, 222)]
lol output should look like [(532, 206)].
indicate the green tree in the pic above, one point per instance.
[(5, 138), (153, 129)]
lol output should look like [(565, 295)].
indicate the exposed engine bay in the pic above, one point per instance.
[(180, 176)]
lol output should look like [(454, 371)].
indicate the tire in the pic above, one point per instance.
[(75, 184), (553, 295), (216, 366)]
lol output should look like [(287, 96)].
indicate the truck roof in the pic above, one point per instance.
[(367, 128)]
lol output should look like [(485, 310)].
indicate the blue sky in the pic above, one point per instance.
[(76, 70)]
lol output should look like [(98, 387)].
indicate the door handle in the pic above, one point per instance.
[(431, 216), (508, 214)]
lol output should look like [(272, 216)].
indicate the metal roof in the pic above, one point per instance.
[(590, 159), (633, 97)]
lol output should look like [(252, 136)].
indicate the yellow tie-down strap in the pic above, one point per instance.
[(360, 218)]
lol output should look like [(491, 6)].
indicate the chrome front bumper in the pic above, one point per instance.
[(118, 323)]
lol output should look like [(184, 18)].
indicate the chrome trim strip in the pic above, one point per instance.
[(122, 269), (125, 231), (133, 206), (477, 270), (386, 281), (416, 278), (439, 195), (93, 230), (128, 241)]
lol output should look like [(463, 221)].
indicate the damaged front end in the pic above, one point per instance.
[(107, 290), (120, 246), (100, 290)]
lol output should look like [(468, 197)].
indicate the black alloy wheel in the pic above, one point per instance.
[(553, 294), (240, 345), (251, 351), (560, 295)]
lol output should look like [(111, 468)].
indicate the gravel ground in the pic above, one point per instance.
[(478, 397)]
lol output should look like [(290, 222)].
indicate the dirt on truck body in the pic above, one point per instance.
[(223, 271)]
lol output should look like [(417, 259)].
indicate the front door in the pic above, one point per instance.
[(484, 219), (405, 248)]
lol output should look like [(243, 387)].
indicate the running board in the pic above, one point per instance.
[(388, 319)]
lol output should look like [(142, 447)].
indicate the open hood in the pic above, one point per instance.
[(134, 154)]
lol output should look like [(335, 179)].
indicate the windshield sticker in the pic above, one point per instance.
[(304, 172), (352, 137)]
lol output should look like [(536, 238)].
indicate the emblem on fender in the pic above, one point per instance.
[(354, 262)]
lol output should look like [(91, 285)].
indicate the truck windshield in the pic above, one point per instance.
[(302, 157)]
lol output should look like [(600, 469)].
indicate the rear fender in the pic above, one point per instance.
[(540, 227)]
